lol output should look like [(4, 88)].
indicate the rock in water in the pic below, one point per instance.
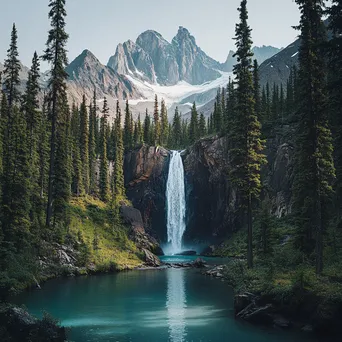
[(186, 253), (199, 263)]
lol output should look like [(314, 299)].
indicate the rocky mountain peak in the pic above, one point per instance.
[(151, 37), (183, 34)]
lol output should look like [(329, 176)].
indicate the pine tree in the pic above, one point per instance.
[(314, 169), (119, 187), (140, 132), (31, 104), (104, 170), (147, 129), (84, 144), (30, 108), (202, 126), (246, 144), (193, 128), (164, 124), (231, 105), (63, 165), (15, 192), (43, 151), (256, 85), (77, 184), (128, 129), (335, 91), (92, 146), (185, 133), (12, 68), (56, 55), (157, 129), (177, 130), (15, 213)]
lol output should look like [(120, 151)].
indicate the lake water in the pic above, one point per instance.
[(173, 305)]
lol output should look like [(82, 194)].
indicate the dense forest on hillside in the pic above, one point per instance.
[(62, 176)]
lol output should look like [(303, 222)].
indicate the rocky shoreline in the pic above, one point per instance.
[(303, 311)]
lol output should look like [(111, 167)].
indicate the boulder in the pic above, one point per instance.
[(199, 263), (151, 259), (132, 217)]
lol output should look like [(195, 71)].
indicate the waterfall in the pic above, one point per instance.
[(175, 196)]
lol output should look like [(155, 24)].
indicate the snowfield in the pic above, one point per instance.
[(176, 93)]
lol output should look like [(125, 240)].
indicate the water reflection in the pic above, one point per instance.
[(176, 304)]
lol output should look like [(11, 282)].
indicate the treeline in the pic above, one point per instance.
[(307, 113), (49, 152)]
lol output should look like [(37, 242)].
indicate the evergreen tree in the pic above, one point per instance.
[(177, 130), (256, 85), (119, 185), (147, 129), (84, 144), (217, 116), (104, 170), (230, 108), (164, 124), (202, 126), (335, 91), (43, 151), (314, 169), (157, 128), (92, 146), (77, 185), (56, 55), (128, 129), (246, 145), (193, 128), (33, 117), (11, 72), (140, 131)]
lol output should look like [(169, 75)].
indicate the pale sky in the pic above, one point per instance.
[(99, 25)]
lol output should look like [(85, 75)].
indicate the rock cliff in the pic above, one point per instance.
[(145, 171), (213, 203)]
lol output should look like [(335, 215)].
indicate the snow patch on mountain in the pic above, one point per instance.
[(176, 93)]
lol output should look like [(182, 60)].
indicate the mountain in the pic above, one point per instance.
[(277, 68), (179, 71), (261, 54), (86, 73), (152, 58)]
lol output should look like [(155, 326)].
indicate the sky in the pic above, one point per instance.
[(99, 25)]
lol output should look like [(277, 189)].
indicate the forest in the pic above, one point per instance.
[(62, 164)]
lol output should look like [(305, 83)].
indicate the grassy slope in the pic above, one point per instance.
[(107, 244)]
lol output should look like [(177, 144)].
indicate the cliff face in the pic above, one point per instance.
[(146, 170), (213, 203)]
